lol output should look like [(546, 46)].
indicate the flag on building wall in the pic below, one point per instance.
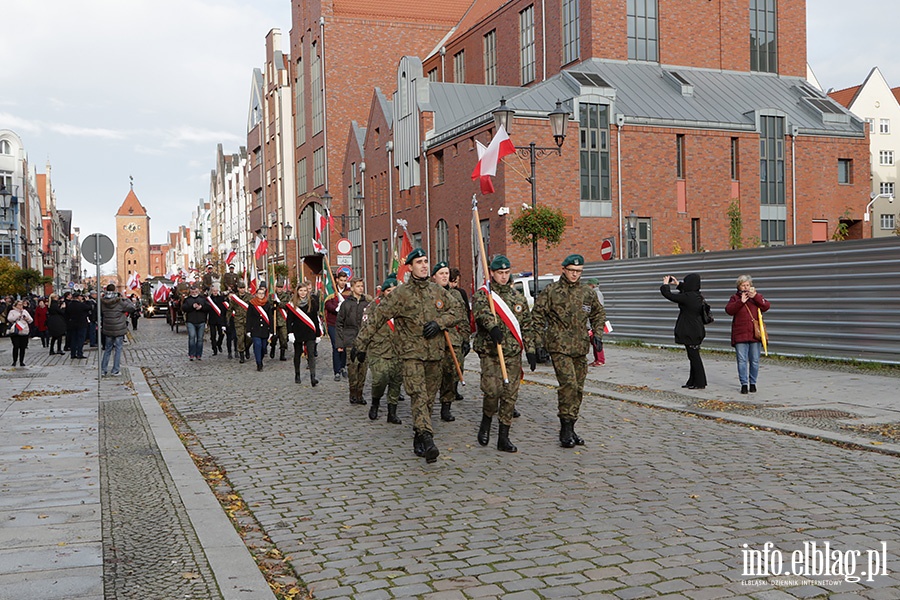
[(486, 168)]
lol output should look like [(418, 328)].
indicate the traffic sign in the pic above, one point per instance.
[(71, 285), (344, 259), (344, 246), (97, 249), (346, 270), (606, 249)]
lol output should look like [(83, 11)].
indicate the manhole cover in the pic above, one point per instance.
[(205, 416), (822, 413)]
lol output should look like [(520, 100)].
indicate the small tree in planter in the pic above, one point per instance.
[(538, 223)]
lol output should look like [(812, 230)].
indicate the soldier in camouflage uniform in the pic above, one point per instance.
[(239, 318), (459, 333), (281, 298), (382, 359), (421, 311), (230, 280), (561, 314), (499, 398)]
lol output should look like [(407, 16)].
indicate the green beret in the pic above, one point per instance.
[(414, 255), (391, 276), (241, 284), (499, 262), (573, 259), (388, 283), (441, 265)]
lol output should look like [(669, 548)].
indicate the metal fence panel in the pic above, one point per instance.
[(837, 300)]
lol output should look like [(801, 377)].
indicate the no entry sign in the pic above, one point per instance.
[(606, 249)]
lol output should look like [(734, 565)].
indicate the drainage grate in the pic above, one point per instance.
[(21, 375), (208, 415), (822, 413)]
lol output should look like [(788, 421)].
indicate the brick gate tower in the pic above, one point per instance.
[(132, 240)]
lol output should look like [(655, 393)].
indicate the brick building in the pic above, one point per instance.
[(688, 117), (132, 240)]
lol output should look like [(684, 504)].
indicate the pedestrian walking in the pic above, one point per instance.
[(303, 330), (382, 358), (41, 312), (195, 308), (114, 313), (239, 305), (421, 312), (689, 328), (136, 313), (77, 325), (93, 326), (259, 323), (281, 297), (217, 318), (332, 305), (457, 334), (746, 308), (511, 329), (18, 320), (349, 320), (56, 323), (562, 314)]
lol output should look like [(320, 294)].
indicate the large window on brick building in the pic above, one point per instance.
[(315, 89), (763, 36), (459, 67), (643, 33), (571, 31), (300, 103), (593, 131), (442, 241), (490, 57), (845, 170), (301, 177), (526, 44), (771, 180), (318, 167)]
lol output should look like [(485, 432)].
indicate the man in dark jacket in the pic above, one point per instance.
[(77, 325), (195, 308), (114, 313), (347, 325), (217, 318), (689, 329)]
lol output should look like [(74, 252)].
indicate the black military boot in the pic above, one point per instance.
[(312, 378), (418, 448), (281, 355), (565, 433), (429, 450), (297, 377), (446, 415), (575, 438), (229, 353), (242, 357), (373, 410), (272, 351), (392, 415), (484, 432), (503, 443)]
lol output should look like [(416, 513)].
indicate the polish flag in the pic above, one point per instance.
[(320, 224), (405, 248), (486, 168), (161, 294), (318, 248), (230, 257), (262, 246), (252, 286), (134, 281)]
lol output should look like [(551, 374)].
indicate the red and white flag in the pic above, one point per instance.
[(320, 224), (161, 294), (134, 281), (230, 257), (486, 168), (262, 246), (405, 248), (252, 286), (318, 248), (505, 314), (607, 327)]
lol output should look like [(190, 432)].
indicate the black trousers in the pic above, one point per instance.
[(215, 337), (697, 377), (19, 343)]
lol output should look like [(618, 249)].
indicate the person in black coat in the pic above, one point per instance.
[(689, 328), (56, 323), (217, 319), (77, 325), (195, 307), (303, 329), (259, 323)]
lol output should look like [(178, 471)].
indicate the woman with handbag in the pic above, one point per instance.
[(18, 320), (689, 328), (746, 308)]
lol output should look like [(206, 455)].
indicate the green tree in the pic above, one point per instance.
[(735, 225), (15, 280)]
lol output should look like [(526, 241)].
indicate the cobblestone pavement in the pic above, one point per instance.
[(657, 504)]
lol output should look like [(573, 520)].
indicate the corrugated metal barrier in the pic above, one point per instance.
[(837, 300)]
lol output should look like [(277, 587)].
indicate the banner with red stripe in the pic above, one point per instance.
[(301, 315), (239, 302), (215, 307), (262, 313), (505, 313)]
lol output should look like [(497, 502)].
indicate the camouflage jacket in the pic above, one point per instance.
[(237, 313), (381, 342), (230, 281), (412, 305), (485, 321), (460, 332), (279, 300), (561, 316)]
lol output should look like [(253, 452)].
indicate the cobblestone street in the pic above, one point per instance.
[(657, 504)]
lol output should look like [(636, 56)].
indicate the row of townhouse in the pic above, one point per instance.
[(34, 233), (684, 120)]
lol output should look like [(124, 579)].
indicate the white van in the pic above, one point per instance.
[(524, 282)]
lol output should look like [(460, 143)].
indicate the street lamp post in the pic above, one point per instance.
[(559, 120), (632, 220), (890, 198)]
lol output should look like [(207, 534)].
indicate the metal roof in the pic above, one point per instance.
[(455, 104)]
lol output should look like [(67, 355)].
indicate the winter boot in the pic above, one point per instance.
[(297, 378), (392, 415), (430, 451), (312, 377), (565, 433), (575, 438), (272, 351), (503, 443), (229, 354), (281, 355), (241, 354), (446, 415), (418, 448), (373, 410), (484, 432)]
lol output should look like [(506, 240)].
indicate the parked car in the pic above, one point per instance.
[(524, 282)]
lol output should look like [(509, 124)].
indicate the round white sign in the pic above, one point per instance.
[(344, 246)]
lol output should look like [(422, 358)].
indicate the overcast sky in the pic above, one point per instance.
[(107, 89)]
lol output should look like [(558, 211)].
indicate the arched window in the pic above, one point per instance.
[(308, 228), (442, 241), (5, 147)]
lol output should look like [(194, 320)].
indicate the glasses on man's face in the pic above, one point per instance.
[(570, 270)]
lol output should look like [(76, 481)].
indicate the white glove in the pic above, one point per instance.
[(291, 338)]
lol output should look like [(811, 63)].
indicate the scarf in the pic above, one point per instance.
[(256, 301)]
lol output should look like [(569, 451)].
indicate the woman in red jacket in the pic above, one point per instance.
[(744, 307)]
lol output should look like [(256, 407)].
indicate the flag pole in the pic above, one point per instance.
[(487, 282)]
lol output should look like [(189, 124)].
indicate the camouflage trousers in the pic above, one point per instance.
[(449, 377), (422, 379), (282, 333), (240, 330), (571, 372), (500, 398), (385, 376), (356, 373)]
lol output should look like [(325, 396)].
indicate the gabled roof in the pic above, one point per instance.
[(131, 207), (896, 92), (846, 96), (360, 133), (387, 107), (446, 12)]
